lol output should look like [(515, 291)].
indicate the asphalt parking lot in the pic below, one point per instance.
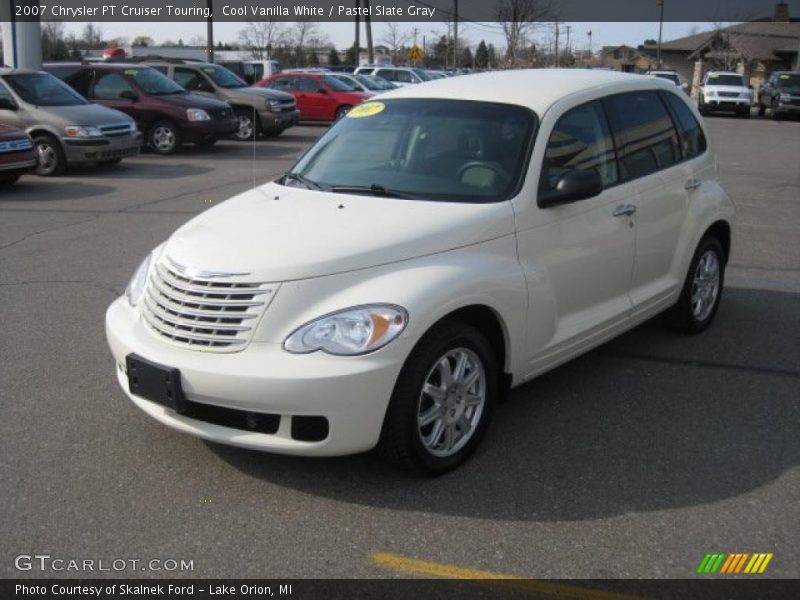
[(632, 461)]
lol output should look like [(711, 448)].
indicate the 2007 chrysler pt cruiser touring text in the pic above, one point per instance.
[(438, 245)]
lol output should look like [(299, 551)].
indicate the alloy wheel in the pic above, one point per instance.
[(705, 286)]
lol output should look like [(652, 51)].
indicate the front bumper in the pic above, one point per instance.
[(79, 150), (729, 104), (278, 121), (195, 131), (17, 167), (352, 393), (791, 107)]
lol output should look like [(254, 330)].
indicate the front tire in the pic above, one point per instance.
[(164, 138), (51, 159), (249, 124), (702, 289), (442, 402)]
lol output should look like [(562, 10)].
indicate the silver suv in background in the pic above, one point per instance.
[(260, 110), (725, 91), (399, 76), (66, 128)]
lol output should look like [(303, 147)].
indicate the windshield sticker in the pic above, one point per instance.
[(209, 70), (784, 77), (369, 109), (713, 76), (131, 72)]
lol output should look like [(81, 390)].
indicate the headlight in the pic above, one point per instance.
[(273, 105), (197, 114), (138, 283), (82, 132), (351, 331), (785, 98)]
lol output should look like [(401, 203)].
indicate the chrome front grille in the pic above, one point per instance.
[(203, 313), (117, 129)]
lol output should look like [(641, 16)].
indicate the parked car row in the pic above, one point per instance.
[(101, 112)]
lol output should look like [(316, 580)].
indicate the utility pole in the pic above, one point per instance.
[(357, 52), (660, 28), (455, 34), (568, 27), (209, 34), (368, 24), (557, 27)]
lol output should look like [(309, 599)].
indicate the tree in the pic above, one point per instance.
[(482, 56), (442, 50), (351, 55), (395, 39), (466, 59), (142, 41), (259, 37), (492, 55), (333, 58), (517, 18), (54, 45), (92, 36)]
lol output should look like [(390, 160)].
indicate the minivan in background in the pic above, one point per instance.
[(166, 114), (65, 127)]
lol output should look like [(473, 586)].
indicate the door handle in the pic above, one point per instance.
[(624, 210), (693, 184)]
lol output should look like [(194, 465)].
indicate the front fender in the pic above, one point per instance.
[(429, 288)]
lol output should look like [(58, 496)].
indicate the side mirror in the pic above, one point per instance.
[(8, 104), (574, 185), (129, 95)]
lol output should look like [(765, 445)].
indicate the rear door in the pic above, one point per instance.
[(650, 156)]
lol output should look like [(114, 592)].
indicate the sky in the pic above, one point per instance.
[(342, 34)]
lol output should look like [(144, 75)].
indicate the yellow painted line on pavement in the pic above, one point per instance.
[(413, 566)]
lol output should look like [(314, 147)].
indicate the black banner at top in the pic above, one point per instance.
[(478, 11)]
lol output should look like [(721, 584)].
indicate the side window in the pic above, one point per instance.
[(693, 142), (646, 139), (387, 74), (109, 86), (6, 95), (580, 139), (187, 78), (404, 77), (281, 83), (80, 81), (304, 84)]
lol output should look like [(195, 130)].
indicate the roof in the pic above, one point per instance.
[(537, 89), (755, 40)]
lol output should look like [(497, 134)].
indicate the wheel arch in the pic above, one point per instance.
[(721, 230)]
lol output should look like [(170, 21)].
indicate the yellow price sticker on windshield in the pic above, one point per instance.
[(368, 109), (784, 77), (130, 72), (713, 76)]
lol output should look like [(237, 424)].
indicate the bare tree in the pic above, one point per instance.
[(259, 37), (92, 36), (517, 19), (394, 38), (54, 46)]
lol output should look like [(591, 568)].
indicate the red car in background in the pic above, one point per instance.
[(17, 156), (319, 97)]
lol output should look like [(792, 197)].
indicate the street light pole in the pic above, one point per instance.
[(660, 29)]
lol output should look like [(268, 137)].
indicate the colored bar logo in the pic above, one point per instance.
[(737, 562)]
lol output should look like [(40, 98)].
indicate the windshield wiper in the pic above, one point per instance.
[(374, 189), (312, 185)]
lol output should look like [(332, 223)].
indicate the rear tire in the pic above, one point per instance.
[(449, 380), (702, 289), (51, 160), (164, 138)]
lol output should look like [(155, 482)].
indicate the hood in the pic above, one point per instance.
[(264, 93), (193, 101), (276, 233), (92, 115)]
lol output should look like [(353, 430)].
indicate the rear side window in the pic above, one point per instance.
[(580, 140), (80, 81), (281, 83), (693, 142), (109, 86), (304, 84), (187, 78), (646, 138)]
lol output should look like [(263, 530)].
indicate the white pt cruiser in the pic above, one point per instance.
[(431, 250)]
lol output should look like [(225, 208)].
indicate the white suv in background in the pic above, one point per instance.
[(725, 91), (399, 76), (435, 247)]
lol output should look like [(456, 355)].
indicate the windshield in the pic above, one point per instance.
[(789, 82), (223, 77), (715, 79), (431, 149), (669, 76), (339, 85), (153, 82), (374, 83), (422, 74), (42, 89)]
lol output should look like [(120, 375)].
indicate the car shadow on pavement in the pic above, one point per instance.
[(139, 169), (29, 189), (653, 420)]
